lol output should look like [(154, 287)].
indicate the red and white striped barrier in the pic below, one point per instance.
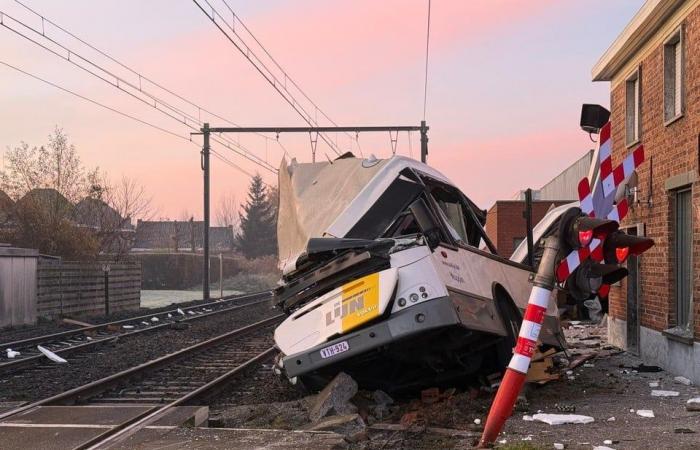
[(516, 373)]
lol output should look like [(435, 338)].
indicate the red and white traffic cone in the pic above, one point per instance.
[(512, 383)]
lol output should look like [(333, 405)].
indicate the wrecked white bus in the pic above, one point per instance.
[(389, 276)]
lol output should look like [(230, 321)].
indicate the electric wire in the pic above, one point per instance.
[(284, 72), (121, 113), (120, 83), (250, 55), (427, 48)]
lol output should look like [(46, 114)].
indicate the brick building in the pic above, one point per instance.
[(505, 222), (654, 72)]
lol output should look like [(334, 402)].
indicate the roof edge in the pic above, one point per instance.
[(643, 25)]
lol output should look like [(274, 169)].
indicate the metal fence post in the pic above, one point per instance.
[(221, 275), (105, 270)]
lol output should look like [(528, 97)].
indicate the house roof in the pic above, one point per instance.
[(46, 198), (154, 235), (96, 213), (650, 17)]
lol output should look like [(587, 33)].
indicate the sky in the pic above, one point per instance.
[(506, 80)]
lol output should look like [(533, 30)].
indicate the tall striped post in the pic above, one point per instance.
[(515, 375)]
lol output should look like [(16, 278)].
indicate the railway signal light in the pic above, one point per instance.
[(577, 230), (591, 276), (619, 245)]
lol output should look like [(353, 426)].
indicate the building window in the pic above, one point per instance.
[(683, 234), (633, 93), (673, 76)]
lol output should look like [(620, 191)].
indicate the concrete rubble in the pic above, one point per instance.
[(335, 398)]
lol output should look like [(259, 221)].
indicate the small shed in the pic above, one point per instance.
[(17, 286)]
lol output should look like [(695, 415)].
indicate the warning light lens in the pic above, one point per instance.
[(621, 253), (585, 237)]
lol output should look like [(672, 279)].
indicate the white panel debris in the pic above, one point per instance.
[(660, 393), (181, 311), (560, 419), (128, 327), (558, 446), (51, 355), (645, 413), (654, 384), (11, 353), (155, 319), (683, 380)]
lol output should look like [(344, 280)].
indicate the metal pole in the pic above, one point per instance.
[(516, 373), (423, 142), (221, 275), (105, 270), (205, 168), (528, 225)]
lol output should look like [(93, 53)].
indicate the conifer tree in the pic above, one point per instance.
[(258, 229)]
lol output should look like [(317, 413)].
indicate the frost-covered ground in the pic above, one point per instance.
[(157, 299)]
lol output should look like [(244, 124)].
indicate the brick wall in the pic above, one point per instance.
[(505, 222), (78, 289), (674, 150)]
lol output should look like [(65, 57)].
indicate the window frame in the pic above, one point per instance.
[(677, 306), (675, 38), (634, 78)]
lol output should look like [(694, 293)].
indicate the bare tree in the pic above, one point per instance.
[(54, 166), (227, 212)]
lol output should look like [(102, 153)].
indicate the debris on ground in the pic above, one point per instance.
[(11, 353), (660, 393), (128, 327), (181, 312), (155, 319), (645, 413), (682, 380), (335, 398), (561, 419), (349, 425), (51, 355), (693, 404), (558, 446)]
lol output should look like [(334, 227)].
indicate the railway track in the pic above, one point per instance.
[(86, 338), (180, 378)]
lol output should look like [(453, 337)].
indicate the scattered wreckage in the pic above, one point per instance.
[(388, 275)]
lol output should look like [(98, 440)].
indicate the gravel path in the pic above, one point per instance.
[(51, 379)]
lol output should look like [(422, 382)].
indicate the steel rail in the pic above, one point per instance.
[(27, 361), (129, 428), (86, 391)]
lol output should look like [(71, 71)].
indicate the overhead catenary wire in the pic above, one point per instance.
[(229, 31), (121, 113), (123, 85)]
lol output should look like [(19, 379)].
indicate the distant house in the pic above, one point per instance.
[(179, 236), (97, 214), (46, 199)]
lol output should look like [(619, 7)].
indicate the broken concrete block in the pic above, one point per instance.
[(350, 425), (693, 404), (335, 397)]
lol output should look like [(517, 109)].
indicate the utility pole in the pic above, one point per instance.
[(205, 168), (528, 226), (423, 142)]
